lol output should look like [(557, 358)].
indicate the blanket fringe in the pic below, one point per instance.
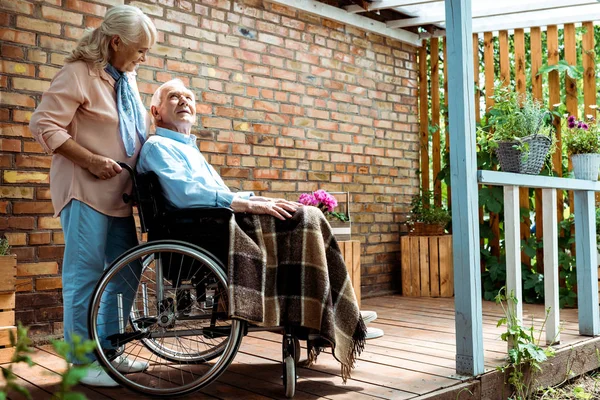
[(313, 353), (358, 340)]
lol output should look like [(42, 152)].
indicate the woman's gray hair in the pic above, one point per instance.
[(129, 23)]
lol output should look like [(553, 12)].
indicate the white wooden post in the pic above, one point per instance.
[(587, 263), (512, 245), (550, 238), (463, 170)]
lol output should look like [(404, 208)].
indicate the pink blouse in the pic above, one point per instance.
[(81, 104)]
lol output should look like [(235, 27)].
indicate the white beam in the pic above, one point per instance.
[(551, 276), (358, 21), (385, 4), (463, 169), (512, 245), (426, 16)]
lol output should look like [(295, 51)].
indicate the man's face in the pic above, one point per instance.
[(177, 109)]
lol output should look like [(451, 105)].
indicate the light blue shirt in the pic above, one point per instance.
[(187, 179)]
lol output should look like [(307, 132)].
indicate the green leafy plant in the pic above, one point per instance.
[(515, 116), (581, 137), (525, 355), (71, 377), (563, 67), (4, 246), (424, 211)]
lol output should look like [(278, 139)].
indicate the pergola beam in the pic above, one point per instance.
[(527, 13), (386, 4), (358, 21)]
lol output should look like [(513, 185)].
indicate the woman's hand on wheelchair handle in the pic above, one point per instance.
[(103, 167)]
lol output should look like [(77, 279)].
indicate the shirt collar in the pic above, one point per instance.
[(179, 137)]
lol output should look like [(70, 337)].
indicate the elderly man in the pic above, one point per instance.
[(285, 267)]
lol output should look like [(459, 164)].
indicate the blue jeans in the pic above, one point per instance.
[(92, 242)]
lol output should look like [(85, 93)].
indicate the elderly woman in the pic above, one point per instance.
[(91, 116)]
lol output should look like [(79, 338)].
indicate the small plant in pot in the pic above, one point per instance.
[(520, 131), (426, 219), (582, 141)]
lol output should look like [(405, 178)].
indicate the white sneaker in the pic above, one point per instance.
[(368, 316), (97, 377), (373, 333), (127, 366)]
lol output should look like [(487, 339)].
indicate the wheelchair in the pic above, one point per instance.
[(173, 311)]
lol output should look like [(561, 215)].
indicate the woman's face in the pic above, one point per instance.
[(126, 58)]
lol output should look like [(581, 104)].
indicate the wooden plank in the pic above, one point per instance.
[(570, 48), (415, 277), (504, 57), (5, 334), (449, 193), (554, 91), (587, 263), (520, 86), (446, 270), (512, 245), (435, 119), (490, 76), (463, 167), (7, 301), (405, 264), (6, 354), (589, 69), (434, 266), (7, 318), (424, 117), (8, 272), (551, 276), (424, 266), (535, 38)]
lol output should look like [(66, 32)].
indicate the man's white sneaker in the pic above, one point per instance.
[(96, 376), (373, 333), (127, 366), (368, 316)]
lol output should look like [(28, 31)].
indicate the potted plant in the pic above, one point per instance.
[(521, 133), (425, 218), (326, 202), (582, 142)]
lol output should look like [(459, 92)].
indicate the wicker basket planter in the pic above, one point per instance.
[(530, 160), (585, 166)]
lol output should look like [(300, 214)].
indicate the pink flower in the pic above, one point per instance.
[(308, 199), (326, 201)]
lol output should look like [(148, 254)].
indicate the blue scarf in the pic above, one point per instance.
[(131, 117)]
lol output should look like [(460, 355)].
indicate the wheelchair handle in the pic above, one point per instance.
[(126, 167), (128, 197)]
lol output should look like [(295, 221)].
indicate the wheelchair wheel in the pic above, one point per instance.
[(175, 297), (289, 364)]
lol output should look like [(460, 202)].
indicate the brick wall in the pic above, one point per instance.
[(288, 103)]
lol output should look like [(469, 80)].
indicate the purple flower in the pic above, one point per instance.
[(580, 124), (584, 126), (308, 199), (571, 124), (571, 119)]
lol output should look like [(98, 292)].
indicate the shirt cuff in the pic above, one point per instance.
[(244, 195), (53, 140), (224, 199)]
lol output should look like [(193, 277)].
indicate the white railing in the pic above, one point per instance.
[(585, 247)]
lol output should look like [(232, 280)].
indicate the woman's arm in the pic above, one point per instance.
[(100, 166)]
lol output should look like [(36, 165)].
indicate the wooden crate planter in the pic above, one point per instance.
[(427, 266), (8, 273), (351, 251)]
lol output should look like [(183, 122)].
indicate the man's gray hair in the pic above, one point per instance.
[(157, 96)]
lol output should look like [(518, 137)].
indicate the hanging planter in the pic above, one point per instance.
[(586, 166), (525, 156)]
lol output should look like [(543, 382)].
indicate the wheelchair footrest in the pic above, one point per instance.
[(145, 322), (120, 339)]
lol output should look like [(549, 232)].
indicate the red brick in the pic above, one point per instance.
[(50, 252), (21, 222), (8, 51), (9, 67), (13, 145), (182, 67), (85, 7), (36, 238), (56, 14), (19, 6), (33, 207)]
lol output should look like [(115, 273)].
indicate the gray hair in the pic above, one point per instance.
[(129, 23), (157, 96)]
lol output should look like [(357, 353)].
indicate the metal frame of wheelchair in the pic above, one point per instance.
[(178, 297)]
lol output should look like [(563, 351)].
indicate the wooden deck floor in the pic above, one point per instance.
[(415, 357)]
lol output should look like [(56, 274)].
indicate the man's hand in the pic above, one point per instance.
[(103, 167), (276, 201), (278, 208)]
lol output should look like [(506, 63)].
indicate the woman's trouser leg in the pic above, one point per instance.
[(85, 233), (122, 237)]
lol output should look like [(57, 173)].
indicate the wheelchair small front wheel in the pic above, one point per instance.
[(165, 304)]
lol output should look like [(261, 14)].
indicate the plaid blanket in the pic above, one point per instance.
[(292, 273)]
